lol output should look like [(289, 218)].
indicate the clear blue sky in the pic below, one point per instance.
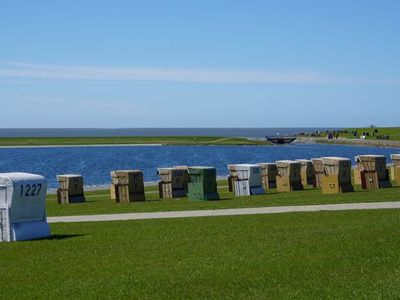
[(199, 63)]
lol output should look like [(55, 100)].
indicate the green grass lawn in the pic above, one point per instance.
[(393, 132), (99, 202), (324, 255), (171, 140)]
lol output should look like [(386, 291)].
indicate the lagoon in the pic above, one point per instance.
[(96, 162)]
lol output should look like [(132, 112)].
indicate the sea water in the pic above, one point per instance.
[(96, 162)]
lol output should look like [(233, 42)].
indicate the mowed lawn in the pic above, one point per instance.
[(99, 202), (324, 255)]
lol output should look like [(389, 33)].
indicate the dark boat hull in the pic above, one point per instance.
[(281, 140)]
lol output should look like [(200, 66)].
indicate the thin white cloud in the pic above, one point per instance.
[(16, 70), (33, 71)]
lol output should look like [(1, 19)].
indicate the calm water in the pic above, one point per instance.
[(95, 163), (97, 132)]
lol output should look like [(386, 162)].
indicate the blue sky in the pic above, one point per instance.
[(199, 63)]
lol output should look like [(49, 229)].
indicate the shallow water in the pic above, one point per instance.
[(95, 163)]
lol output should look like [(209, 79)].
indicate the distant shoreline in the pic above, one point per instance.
[(387, 137), (251, 132), (83, 145), (252, 142), (32, 142), (352, 142)]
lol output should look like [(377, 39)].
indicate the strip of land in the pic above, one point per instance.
[(388, 137), (377, 137), (224, 212), (119, 141), (353, 142)]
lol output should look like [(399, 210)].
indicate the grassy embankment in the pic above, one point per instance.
[(392, 132), (99, 202), (178, 140), (319, 255), (373, 140)]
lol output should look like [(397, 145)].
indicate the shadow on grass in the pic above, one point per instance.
[(158, 200), (56, 237), (59, 237)]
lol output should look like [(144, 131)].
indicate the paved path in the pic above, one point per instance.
[(224, 212)]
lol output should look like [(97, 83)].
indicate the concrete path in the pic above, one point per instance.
[(224, 212)]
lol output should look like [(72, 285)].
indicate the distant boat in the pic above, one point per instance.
[(280, 140)]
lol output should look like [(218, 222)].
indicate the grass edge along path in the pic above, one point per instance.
[(101, 203), (225, 212)]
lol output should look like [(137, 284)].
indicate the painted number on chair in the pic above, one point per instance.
[(30, 190)]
